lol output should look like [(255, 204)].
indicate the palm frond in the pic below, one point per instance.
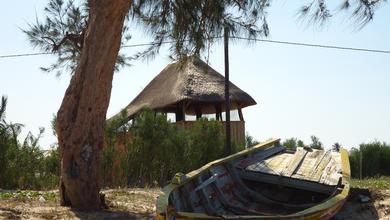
[(3, 107)]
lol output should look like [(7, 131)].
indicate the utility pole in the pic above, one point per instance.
[(228, 147), (360, 163)]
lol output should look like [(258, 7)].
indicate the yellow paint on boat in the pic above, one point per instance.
[(323, 210)]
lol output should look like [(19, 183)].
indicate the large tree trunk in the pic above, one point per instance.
[(81, 117)]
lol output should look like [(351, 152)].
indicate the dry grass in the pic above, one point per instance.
[(139, 203), (372, 183), (126, 203)]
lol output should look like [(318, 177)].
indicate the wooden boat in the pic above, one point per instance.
[(266, 181)]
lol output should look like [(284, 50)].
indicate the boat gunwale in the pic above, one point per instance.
[(321, 210)]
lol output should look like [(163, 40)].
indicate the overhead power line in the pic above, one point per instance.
[(23, 55), (146, 44), (239, 38), (315, 45)]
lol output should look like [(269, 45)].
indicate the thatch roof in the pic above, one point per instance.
[(192, 83)]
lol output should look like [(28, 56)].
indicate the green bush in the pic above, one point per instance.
[(51, 169), (114, 162), (250, 141), (290, 143), (375, 159), (354, 157), (293, 143), (23, 164), (158, 149), (205, 143)]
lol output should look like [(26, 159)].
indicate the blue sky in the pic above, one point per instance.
[(336, 95)]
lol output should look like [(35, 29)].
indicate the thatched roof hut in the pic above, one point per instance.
[(188, 87)]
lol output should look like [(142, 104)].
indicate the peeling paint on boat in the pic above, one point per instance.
[(263, 182)]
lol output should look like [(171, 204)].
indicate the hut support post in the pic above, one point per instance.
[(228, 147), (183, 111), (240, 114), (218, 112), (198, 111)]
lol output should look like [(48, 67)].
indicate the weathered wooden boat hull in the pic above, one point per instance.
[(222, 189)]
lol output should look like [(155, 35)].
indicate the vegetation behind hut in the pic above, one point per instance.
[(158, 149), (156, 152)]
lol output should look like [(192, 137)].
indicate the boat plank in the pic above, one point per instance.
[(279, 162), (331, 173), (318, 160), (184, 194), (305, 169), (299, 156), (289, 182), (260, 156), (228, 188), (318, 172)]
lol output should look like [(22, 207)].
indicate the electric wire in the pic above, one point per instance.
[(233, 37)]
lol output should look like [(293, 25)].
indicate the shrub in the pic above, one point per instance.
[(375, 159), (23, 164), (293, 143), (205, 143), (51, 168), (250, 141), (316, 143), (290, 143), (157, 149)]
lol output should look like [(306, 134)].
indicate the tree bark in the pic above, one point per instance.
[(81, 117)]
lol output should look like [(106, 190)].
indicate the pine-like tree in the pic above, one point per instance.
[(87, 38)]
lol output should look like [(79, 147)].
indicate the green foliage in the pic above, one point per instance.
[(206, 143), (26, 195), (29, 162), (156, 150), (191, 26), (336, 147), (316, 143), (250, 141), (293, 143), (23, 164), (290, 143), (114, 163), (51, 169), (194, 25), (375, 159), (62, 33), (354, 157), (361, 11), (300, 143), (151, 149), (382, 182)]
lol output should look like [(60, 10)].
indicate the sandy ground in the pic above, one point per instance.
[(139, 204), (377, 208), (123, 204)]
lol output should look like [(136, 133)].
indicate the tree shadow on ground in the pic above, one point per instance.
[(356, 209), (8, 213)]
